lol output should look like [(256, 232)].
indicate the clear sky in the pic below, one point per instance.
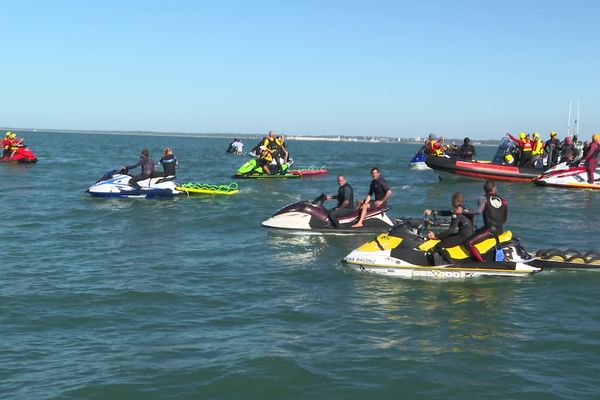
[(394, 68)]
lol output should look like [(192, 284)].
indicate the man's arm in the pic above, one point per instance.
[(388, 194)]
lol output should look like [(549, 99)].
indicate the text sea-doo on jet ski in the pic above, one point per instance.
[(22, 156), (307, 216), (568, 177), (405, 254), (116, 184)]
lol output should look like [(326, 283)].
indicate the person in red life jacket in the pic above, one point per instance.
[(7, 145), (434, 146), (494, 210), (526, 147), (591, 157)]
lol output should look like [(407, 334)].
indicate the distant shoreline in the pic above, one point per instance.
[(248, 136)]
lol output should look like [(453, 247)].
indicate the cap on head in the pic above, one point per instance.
[(536, 135), (467, 140), (431, 136), (552, 134)]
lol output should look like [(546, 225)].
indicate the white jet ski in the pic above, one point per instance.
[(566, 176), (116, 184), (403, 253)]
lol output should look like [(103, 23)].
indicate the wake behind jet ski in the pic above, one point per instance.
[(116, 184), (403, 253)]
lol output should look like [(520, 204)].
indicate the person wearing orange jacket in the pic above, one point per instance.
[(435, 146), (591, 158), (7, 143), (526, 147)]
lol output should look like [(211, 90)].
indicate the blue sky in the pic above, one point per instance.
[(393, 68)]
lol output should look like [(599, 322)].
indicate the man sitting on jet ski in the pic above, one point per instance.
[(380, 190), (461, 228), (345, 198), (494, 210), (147, 169)]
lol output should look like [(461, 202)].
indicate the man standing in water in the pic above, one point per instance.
[(379, 190), (345, 198)]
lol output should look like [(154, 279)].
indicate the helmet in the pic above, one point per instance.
[(523, 135), (596, 137), (467, 140), (13, 135), (536, 135), (8, 133), (262, 148), (552, 134), (509, 158), (569, 140), (431, 136)]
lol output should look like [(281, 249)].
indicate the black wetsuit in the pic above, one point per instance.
[(169, 164), (466, 152), (461, 228), (345, 193), (147, 169), (553, 148), (378, 188), (494, 210)]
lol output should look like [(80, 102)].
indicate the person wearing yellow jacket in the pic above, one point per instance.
[(537, 151)]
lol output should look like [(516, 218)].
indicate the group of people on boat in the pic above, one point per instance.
[(436, 147), (148, 170), (10, 144), (377, 197), (531, 152), (272, 148), (493, 209)]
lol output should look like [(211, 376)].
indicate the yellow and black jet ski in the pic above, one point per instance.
[(405, 254)]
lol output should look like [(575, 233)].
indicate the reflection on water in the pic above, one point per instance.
[(447, 316)]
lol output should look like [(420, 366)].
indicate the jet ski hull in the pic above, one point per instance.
[(403, 253), (117, 186), (305, 216), (482, 170), (571, 178)]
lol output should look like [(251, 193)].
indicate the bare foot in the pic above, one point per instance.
[(357, 226)]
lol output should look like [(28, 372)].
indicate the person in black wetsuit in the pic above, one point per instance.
[(345, 198), (494, 210), (379, 193), (169, 163), (553, 148), (147, 169), (461, 228), (467, 150)]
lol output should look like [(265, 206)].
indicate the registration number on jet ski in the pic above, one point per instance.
[(438, 274)]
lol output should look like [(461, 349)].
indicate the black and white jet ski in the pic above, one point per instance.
[(312, 216), (116, 184), (403, 253)]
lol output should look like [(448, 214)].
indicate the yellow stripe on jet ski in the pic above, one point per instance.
[(460, 253), (386, 241)]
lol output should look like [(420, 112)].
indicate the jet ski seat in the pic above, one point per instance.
[(460, 252), (354, 215)]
